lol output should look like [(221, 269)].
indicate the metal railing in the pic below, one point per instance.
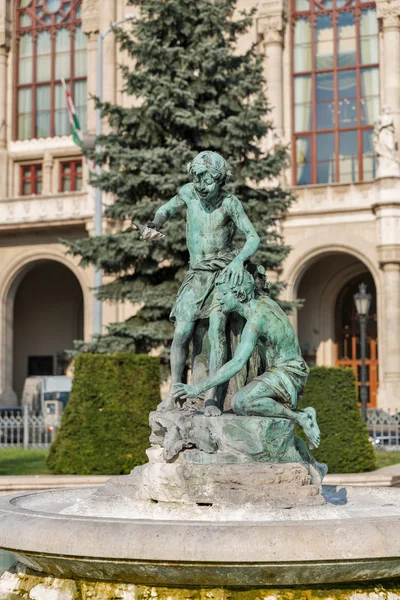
[(384, 430), (21, 429)]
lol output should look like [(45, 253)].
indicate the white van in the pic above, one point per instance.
[(47, 395)]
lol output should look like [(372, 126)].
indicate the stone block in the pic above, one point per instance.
[(275, 485)]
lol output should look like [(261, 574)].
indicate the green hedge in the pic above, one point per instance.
[(104, 427), (345, 447)]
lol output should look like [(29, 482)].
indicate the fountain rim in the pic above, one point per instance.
[(207, 552)]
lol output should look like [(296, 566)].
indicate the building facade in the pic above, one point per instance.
[(330, 67)]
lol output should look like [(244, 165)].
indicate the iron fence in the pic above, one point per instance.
[(19, 428), (384, 430)]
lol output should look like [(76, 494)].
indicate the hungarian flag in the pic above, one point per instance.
[(77, 134)]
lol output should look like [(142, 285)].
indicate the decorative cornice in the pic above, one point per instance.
[(268, 8), (91, 16), (389, 12)]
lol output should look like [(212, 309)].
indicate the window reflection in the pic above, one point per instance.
[(347, 41), (336, 89), (323, 42), (303, 97), (43, 59), (369, 36), (302, 39), (326, 155), (370, 161), (369, 95), (348, 156)]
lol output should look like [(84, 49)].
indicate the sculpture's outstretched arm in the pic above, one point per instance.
[(167, 210)]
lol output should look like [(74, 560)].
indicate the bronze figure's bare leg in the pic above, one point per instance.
[(179, 354), (214, 398), (256, 399)]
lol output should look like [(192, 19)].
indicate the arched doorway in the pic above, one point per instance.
[(47, 317), (347, 334), (327, 285)]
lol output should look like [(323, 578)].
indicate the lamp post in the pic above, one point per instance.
[(362, 301), (98, 211)]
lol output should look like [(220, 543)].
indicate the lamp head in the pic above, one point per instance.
[(362, 300)]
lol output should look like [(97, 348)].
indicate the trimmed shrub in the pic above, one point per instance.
[(345, 446), (104, 428)]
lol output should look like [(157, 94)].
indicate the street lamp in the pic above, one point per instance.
[(362, 301), (98, 211)]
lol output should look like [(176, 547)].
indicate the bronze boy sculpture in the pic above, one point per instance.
[(213, 217), (275, 392)]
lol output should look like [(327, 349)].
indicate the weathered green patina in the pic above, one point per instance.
[(275, 391), (224, 309), (213, 217)]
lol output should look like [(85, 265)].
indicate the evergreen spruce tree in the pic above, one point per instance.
[(191, 90)]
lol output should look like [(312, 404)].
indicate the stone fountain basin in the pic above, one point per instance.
[(72, 534)]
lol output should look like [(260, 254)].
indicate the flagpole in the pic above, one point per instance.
[(98, 214), (98, 210)]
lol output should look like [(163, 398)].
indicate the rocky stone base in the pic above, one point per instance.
[(277, 486), (228, 438), (21, 583), (225, 460)]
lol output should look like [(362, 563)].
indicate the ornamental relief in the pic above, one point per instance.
[(5, 24), (272, 18), (272, 28), (273, 7), (90, 16), (389, 12)]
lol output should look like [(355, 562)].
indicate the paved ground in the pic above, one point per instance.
[(385, 477), (25, 483)]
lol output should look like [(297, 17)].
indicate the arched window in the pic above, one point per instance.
[(335, 90), (50, 45)]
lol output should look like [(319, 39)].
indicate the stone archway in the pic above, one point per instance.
[(321, 281), (73, 289), (347, 334), (319, 285), (47, 317)]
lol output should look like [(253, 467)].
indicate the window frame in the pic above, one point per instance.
[(73, 162), (34, 29), (33, 178), (355, 6)]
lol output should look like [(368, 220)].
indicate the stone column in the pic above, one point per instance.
[(3, 120), (389, 13), (5, 39), (391, 368), (108, 16), (47, 187), (91, 24), (271, 25), (387, 211), (3, 94)]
